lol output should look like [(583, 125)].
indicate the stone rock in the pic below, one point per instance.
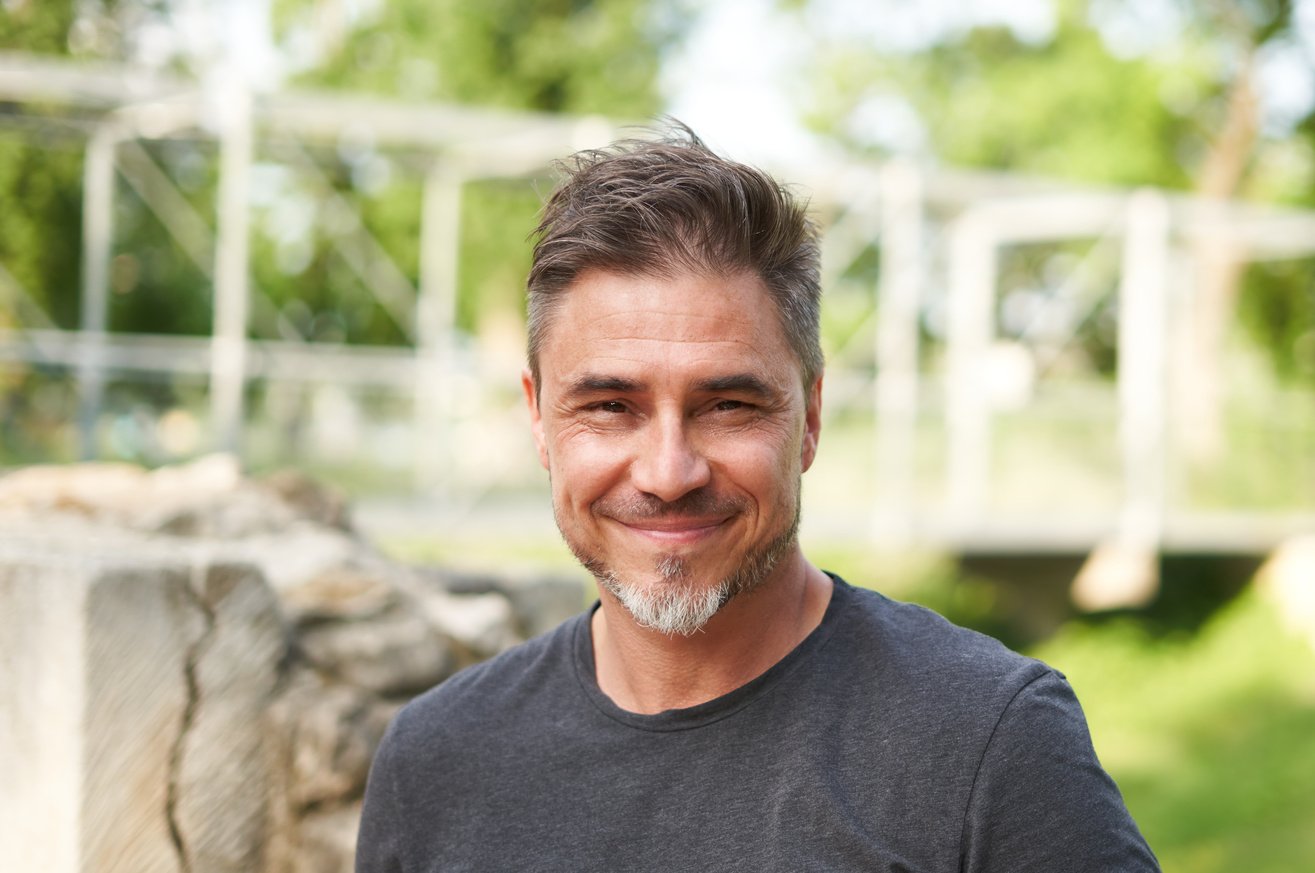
[(481, 624), (328, 734), (88, 490), (41, 666), (298, 553), (93, 656), (141, 627), (197, 667), (328, 841), (337, 594), (207, 498), (539, 602), (396, 653), (310, 500), (223, 784), (243, 513)]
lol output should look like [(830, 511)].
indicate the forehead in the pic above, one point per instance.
[(609, 320)]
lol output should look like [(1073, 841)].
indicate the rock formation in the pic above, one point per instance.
[(198, 666)]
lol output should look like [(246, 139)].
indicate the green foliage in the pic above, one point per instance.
[(496, 219), (1074, 105), (578, 56), (37, 25), (299, 257), (40, 239), (154, 286), (42, 177), (568, 56), (557, 56), (1206, 734), (1280, 307), (1065, 107), (572, 56)]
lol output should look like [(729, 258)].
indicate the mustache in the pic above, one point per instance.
[(700, 503)]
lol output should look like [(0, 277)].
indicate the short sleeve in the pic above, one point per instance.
[(1041, 800), (379, 840)]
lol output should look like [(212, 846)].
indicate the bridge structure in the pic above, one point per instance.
[(1015, 365)]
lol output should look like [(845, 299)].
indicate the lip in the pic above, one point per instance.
[(675, 531)]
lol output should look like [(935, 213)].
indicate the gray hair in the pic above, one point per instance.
[(668, 204)]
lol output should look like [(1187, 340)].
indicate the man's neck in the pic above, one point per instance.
[(647, 671)]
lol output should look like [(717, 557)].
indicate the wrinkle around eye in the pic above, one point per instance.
[(600, 416)]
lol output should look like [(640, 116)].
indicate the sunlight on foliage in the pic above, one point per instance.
[(1209, 735)]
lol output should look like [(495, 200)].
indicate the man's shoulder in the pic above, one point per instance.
[(905, 645), (488, 693)]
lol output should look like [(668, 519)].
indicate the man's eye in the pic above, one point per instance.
[(609, 406), (729, 405)]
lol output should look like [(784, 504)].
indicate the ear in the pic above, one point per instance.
[(812, 423), (536, 418)]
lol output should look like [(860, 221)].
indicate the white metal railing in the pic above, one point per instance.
[(941, 236)]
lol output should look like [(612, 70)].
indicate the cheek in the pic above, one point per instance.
[(584, 466), (763, 466)]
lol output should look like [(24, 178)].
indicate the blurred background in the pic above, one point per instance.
[(1070, 313)]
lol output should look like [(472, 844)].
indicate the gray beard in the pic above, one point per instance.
[(678, 605)]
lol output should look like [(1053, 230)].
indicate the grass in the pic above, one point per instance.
[(1210, 735)]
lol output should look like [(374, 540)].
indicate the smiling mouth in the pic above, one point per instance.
[(674, 531)]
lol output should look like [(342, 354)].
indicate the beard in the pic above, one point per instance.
[(678, 603)]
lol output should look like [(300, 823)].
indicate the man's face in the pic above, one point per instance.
[(674, 426)]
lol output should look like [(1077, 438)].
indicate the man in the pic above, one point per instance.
[(726, 705)]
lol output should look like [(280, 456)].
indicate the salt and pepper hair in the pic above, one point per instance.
[(666, 205)]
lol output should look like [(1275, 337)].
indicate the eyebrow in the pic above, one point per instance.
[(738, 383), (735, 383), (593, 384)]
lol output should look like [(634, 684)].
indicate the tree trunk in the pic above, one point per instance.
[(1219, 265)]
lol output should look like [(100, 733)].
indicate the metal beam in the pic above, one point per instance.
[(363, 254), (182, 222), (165, 356), (440, 239), (231, 304), (97, 248), (20, 300), (42, 79), (896, 349), (969, 332), (1142, 365)]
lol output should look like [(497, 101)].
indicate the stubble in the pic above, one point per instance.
[(676, 602)]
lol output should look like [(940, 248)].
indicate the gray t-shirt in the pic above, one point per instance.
[(888, 740)]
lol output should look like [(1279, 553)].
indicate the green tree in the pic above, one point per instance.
[(1108, 95), (582, 56), (1069, 104), (568, 56), (585, 56), (40, 176)]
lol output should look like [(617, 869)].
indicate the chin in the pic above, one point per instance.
[(673, 603)]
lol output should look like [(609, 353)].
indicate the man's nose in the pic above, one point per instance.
[(669, 465)]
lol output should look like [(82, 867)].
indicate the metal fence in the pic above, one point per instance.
[(951, 382)]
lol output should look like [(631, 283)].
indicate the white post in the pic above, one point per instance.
[(97, 248), (969, 331), (1124, 570), (1142, 374), (440, 237), (228, 344), (896, 351)]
